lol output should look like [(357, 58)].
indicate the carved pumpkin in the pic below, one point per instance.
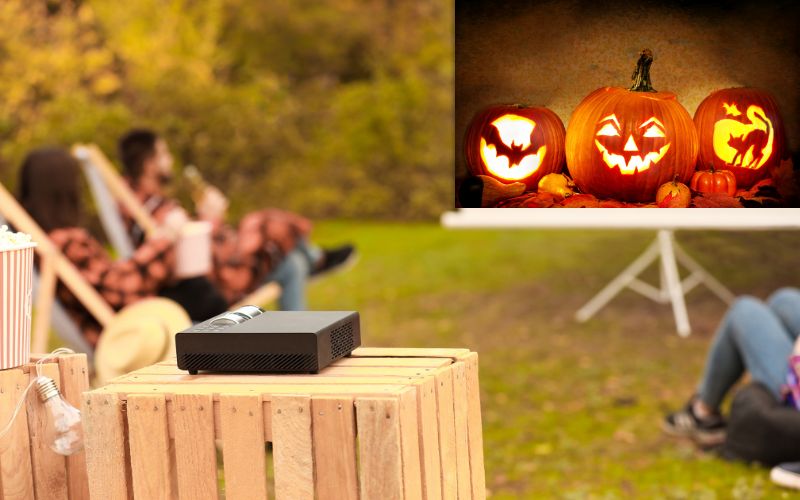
[(515, 144), (740, 130), (714, 181), (625, 143)]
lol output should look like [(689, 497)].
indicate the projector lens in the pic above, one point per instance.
[(240, 315)]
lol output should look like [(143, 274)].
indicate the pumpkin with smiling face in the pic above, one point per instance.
[(515, 143), (625, 143)]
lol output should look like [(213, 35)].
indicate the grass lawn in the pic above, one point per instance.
[(569, 410)]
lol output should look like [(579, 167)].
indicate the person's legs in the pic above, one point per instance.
[(751, 337), (786, 304), (292, 275)]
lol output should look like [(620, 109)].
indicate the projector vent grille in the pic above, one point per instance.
[(341, 340), (249, 362)]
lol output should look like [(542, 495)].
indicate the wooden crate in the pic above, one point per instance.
[(382, 424), (29, 469)]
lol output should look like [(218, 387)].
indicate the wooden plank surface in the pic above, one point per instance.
[(334, 435), (462, 439), (408, 352), (16, 479), (447, 433), (151, 464), (350, 371), (74, 371), (409, 440), (48, 467), (429, 439), (379, 447), (292, 451), (432, 362), (259, 379), (217, 389), (104, 441), (195, 452), (243, 447), (475, 427)]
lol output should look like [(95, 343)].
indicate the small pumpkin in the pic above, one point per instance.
[(740, 130), (625, 143), (556, 184), (515, 143), (714, 181), (673, 194)]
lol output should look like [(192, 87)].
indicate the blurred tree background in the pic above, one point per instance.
[(333, 109)]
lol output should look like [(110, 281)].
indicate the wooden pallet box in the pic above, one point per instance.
[(382, 424), (29, 469)]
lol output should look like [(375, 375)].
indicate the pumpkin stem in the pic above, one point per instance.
[(641, 75)]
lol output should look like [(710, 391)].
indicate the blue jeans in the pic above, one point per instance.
[(292, 274), (754, 336)]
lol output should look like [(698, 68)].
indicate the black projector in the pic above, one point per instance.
[(251, 340)]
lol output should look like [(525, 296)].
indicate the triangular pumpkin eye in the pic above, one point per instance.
[(608, 130), (653, 131)]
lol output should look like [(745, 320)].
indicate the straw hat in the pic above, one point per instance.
[(139, 335)]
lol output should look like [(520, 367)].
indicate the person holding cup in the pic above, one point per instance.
[(267, 245), (50, 191)]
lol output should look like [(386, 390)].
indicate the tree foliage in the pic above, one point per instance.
[(330, 108)]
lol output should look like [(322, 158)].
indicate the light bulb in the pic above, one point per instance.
[(63, 431)]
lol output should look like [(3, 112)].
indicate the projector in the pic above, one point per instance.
[(251, 340)]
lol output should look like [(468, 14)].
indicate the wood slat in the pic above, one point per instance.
[(104, 441), (424, 362), (409, 440), (462, 440), (447, 433), (16, 478), (216, 389), (379, 447), (258, 379), (292, 447), (475, 427), (243, 449), (429, 439), (151, 464), (48, 467), (348, 371), (74, 371), (334, 436), (408, 352), (195, 451)]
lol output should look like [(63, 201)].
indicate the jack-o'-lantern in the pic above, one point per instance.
[(740, 130), (514, 143), (625, 143)]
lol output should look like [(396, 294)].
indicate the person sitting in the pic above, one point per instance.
[(268, 244), (50, 191), (754, 336)]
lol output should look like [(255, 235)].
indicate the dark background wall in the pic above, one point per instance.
[(555, 53)]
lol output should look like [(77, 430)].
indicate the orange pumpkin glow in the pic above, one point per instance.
[(515, 144), (625, 143), (740, 130)]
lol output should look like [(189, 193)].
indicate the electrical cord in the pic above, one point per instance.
[(38, 366)]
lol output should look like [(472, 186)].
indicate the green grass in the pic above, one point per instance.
[(569, 410)]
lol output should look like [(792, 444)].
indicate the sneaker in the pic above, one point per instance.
[(707, 432), (335, 258), (786, 475)]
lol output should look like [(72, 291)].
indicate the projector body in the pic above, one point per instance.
[(271, 342)]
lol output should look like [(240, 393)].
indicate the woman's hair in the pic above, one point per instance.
[(135, 148), (50, 189)]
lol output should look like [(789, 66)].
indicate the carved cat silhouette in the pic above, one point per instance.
[(756, 139)]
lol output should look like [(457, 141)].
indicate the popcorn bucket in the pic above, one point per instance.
[(193, 250), (16, 298)]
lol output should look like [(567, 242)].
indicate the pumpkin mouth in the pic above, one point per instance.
[(634, 163), (501, 166)]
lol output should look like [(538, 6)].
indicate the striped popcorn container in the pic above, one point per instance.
[(16, 298)]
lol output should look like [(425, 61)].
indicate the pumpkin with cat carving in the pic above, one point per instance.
[(740, 129)]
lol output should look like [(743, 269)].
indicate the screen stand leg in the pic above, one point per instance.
[(672, 290)]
